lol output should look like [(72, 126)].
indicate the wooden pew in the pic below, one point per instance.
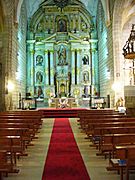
[(22, 132), (21, 112), (17, 129), (5, 167), (125, 160), (13, 145), (113, 130), (108, 142), (93, 125), (31, 126), (99, 118), (99, 130), (37, 124)]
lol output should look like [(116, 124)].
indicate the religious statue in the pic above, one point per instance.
[(39, 60), (85, 60), (86, 76), (119, 103), (62, 25), (39, 77), (62, 55), (40, 92)]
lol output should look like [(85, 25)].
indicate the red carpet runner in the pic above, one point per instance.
[(64, 161)]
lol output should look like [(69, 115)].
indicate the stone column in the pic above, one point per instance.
[(46, 68), (94, 62), (31, 77), (57, 88), (78, 66), (51, 67), (73, 66)]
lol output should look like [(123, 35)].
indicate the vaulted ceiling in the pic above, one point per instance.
[(33, 5), (91, 6)]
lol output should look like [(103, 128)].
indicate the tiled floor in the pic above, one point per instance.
[(31, 167)]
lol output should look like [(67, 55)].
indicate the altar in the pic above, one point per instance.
[(71, 102)]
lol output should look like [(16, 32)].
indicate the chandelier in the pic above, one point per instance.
[(61, 3), (129, 47)]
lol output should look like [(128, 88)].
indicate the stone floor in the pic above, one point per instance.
[(31, 167)]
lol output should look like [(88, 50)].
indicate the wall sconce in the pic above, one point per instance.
[(108, 74), (17, 74), (116, 86), (10, 86)]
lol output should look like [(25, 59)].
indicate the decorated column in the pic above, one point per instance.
[(46, 68), (94, 65), (78, 66), (51, 67), (32, 53), (73, 66), (30, 63)]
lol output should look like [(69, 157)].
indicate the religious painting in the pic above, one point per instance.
[(62, 90), (62, 25)]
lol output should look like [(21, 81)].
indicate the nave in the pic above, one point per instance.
[(31, 166)]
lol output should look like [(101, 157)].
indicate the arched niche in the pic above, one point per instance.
[(62, 24)]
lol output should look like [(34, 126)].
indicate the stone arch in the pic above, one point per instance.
[(18, 10), (117, 20), (122, 22), (105, 4), (1, 18), (2, 56)]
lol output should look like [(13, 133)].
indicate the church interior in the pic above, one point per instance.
[(70, 49), (70, 60)]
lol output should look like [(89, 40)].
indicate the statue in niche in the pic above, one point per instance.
[(40, 92), (39, 77), (85, 76), (62, 55), (86, 91), (39, 60), (62, 27), (85, 60)]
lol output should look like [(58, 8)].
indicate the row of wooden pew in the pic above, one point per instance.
[(17, 130), (113, 134)]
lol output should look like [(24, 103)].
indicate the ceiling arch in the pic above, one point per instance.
[(1, 18), (90, 5), (33, 5)]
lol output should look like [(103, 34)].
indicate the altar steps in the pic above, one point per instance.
[(60, 113)]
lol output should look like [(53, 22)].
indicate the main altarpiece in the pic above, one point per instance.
[(61, 53)]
